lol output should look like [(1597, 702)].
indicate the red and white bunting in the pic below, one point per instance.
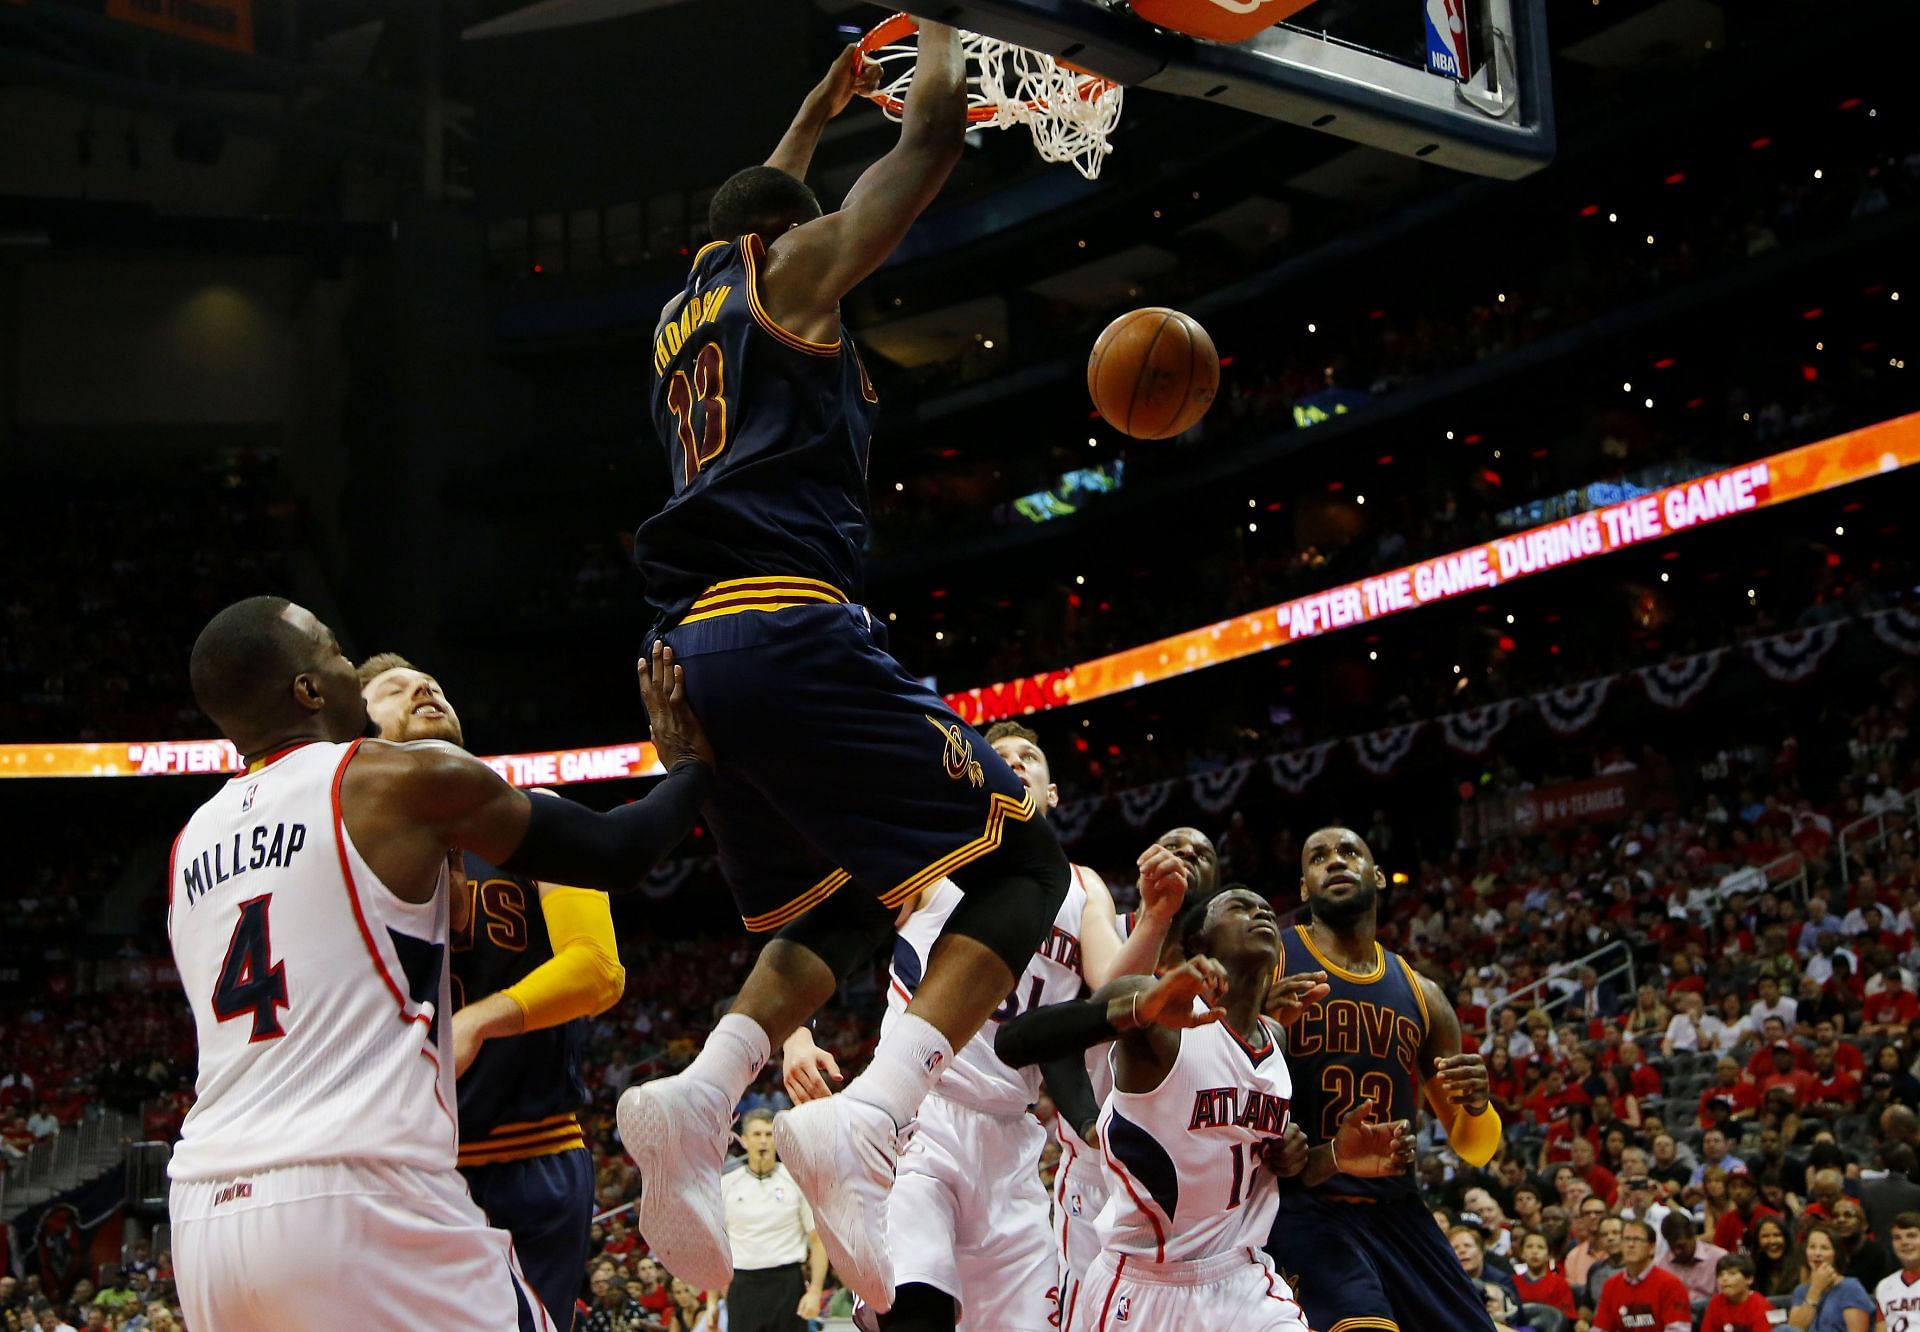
[(1472, 731), (1571, 710), (1295, 770), (1792, 657), (1071, 817), (1674, 684), (1898, 628), (1139, 804), (1215, 791), (1380, 752)]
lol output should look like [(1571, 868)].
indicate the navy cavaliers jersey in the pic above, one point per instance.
[(1363, 1040), (519, 1097), (767, 436)]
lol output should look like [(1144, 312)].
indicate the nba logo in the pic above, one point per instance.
[(1124, 1309), (1447, 39), (246, 802), (1073, 1204), (934, 1059)]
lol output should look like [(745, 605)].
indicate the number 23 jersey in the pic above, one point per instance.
[(1183, 1158), (766, 436), (319, 998)]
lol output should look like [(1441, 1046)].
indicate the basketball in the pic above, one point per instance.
[(1153, 373)]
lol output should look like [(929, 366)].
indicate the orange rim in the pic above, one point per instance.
[(899, 26)]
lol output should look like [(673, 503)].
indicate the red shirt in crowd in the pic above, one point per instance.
[(1761, 1064), (1604, 1183), (1848, 1059), (1655, 1302), (1741, 1096), (1546, 1107), (1551, 1290), (1890, 1006), (1842, 1087), (1750, 1315), (1645, 1080), (1732, 1227), (1798, 1081)]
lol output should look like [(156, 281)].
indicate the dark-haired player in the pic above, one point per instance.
[(314, 1185), (1365, 1252), (1197, 1128), (530, 963), (849, 786)]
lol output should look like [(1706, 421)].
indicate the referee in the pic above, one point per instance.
[(779, 1266)]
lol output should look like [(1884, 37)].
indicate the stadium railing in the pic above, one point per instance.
[(1559, 980)]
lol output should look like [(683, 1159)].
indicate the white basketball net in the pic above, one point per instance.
[(1069, 114)]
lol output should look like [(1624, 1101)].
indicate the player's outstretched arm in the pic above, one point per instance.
[(1456, 1087), (1144, 1014), (1103, 955), (811, 267), (848, 77), (582, 978), (406, 806)]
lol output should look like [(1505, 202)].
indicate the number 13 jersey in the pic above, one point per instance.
[(766, 435), (319, 998), (1184, 1157)]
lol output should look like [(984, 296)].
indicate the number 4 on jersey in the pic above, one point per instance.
[(251, 983)]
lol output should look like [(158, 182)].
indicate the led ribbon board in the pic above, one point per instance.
[(1795, 474)]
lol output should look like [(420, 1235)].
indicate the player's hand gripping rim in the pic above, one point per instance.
[(1168, 1002), (677, 733), (1368, 1149)]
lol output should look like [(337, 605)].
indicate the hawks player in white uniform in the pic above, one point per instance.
[(1897, 1297), (1080, 1180), (1196, 1131), (967, 1221), (314, 1184)]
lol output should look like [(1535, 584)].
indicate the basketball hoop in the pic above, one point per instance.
[(1069, 112)]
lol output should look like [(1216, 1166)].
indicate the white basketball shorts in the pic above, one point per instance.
[(968, 1216), (326, 1246), (1080, 1185), (1238, 1289)]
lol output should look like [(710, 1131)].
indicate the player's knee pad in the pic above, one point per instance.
[(843, 931), (919, 1308), (1013, 894)]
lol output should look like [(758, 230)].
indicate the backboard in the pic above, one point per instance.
[(1459, 83)]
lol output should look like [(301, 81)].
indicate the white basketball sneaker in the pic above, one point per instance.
[(841, 1152), (676, 1132)]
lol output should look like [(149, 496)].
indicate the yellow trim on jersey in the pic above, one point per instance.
[(999, 809), (520, 1141), (1419, 993), (701, 253), (813, 897), (1358, 978), (775, 592), (767, 321), (1356, 1324)]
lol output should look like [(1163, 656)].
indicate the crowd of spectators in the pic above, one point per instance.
[(106, 573)]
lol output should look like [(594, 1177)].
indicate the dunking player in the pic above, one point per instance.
[(967, 1223), (1197, 1128), (530, 963), (314, 1184), (849, 786), (1366, 1251), (1080, 1180)]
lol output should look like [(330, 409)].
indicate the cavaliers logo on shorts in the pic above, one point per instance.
[(958, 755)]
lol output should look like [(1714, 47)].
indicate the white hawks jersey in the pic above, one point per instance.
[(1898, 1298), (318, 996), (1183, 1158), (977, 1077)]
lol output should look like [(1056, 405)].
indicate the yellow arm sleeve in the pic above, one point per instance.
[(584, 976), (1474, 1138)]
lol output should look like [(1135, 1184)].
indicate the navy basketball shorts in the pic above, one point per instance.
[(1373, 1267), (546, 1204), (835, 764)]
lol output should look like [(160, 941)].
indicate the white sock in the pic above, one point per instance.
[(732, 1057), (904, 1069)]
